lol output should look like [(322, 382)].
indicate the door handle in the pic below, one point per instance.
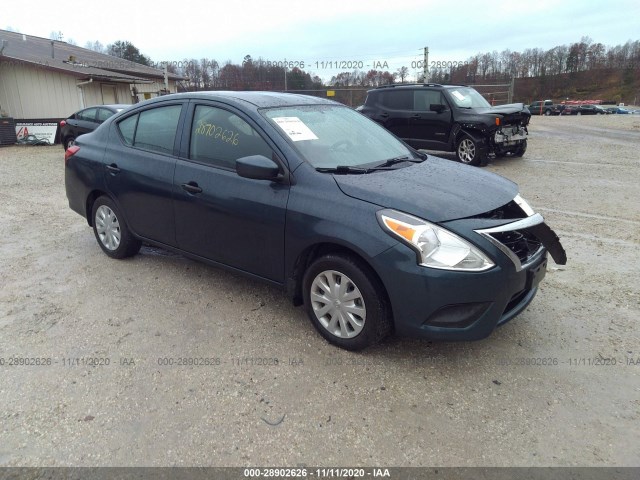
[(113, 168), (191, 187), (415, 115), (384, 114)]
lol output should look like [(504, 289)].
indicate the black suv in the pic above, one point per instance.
[(451, 118)]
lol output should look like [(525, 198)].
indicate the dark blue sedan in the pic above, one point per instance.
[(371, 236), (84, 121)]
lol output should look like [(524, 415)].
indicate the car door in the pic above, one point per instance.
[(140, 163), (428, 128), (393, 109), (219, 215)]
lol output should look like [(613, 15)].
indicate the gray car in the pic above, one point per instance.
[(304, 193)]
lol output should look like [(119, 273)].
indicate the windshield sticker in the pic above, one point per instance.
[(295, 128), (458, 95)]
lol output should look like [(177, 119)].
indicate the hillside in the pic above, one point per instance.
[(609, 85)]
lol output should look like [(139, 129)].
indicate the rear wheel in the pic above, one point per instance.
[(547, 112), (111, 230), (345, 302), (69, 142), (468, 150)]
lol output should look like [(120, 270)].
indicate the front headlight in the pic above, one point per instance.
[(435, 246)]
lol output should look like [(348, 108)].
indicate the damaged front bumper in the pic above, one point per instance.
[(511, 135)]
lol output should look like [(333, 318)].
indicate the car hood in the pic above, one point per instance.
[(503, 109), (437, 190)]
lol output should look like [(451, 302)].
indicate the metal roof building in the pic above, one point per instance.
[(49, 79)]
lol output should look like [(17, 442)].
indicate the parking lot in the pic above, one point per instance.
[(159, 360)]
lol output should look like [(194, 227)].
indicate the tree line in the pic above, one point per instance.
[(256, 74), (581, 56)]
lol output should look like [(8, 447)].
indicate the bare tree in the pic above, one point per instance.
[(402, 73), (96, 46)]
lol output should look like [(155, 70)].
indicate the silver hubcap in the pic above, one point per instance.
[(338, 304), (108, 227), (466, 151)]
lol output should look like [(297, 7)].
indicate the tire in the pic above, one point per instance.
[(468, 150), (547, 113), (111, 230), (521, 149), (579, 113), (69, 141), (345, 302)]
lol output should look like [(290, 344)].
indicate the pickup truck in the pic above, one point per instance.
[(546, 107)]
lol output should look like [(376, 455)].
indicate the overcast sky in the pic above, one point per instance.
[(392, 31)]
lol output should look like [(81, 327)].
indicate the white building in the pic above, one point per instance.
[(47, 80)]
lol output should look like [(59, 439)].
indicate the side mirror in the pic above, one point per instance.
[(257, 167), (437, 107)]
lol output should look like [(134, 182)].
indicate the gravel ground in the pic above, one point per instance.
[(275, 393)]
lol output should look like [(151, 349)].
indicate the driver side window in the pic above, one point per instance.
[(423, 99), (219, 138)]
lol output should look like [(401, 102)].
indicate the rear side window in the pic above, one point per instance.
[(398, 99), (219, 137), (88, 115), (103, 114), (128, 128), (153, 129)]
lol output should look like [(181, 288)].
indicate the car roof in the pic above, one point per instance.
[(406, 86), (256, 98), (116, 106)]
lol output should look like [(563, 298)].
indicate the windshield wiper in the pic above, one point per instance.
[(343, 169), (396, 160)]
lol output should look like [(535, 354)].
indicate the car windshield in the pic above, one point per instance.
[(465, 97), (328, 136)]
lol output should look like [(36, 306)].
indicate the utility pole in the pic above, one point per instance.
[(165, 74), (512, 89), (425, 67)]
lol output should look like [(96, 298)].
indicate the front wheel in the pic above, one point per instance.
[(345, 302), (111, 230), (521, 149), (468, 150)]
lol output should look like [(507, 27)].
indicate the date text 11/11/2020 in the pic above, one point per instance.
[(355, 64)]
